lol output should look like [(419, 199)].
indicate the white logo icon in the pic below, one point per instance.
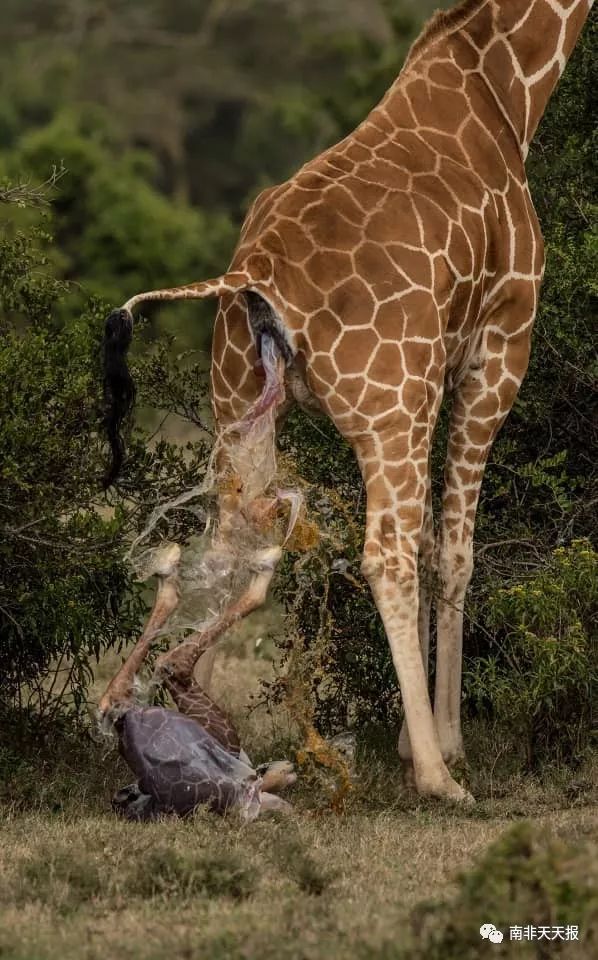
[(489, 932)]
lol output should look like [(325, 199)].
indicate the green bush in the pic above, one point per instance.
[(524, 879), (538, 681), (66, 593)]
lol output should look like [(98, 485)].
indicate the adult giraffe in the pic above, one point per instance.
[(404, 259)]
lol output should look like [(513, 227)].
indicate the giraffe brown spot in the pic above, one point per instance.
[(405, 476), (396, 223), (310, 178), (323, 329), (575, 22), (379, 400), (382, 121), (370, 194), (489, 161), (387, 530), (413, 394), (369, 136), (454, 105), (477, 432), (421, 315), (410, 518), (462, 52), (341, 198), (389, 320), (297, 246), (384, 174), (415, 263), (387, 364), (351, 388), (398, 109), (398, 155), (357, 152), (292, 284), (328, 228), (508, 388), (397, 449), (487, 406), (467, 476), (352, 424), (379, 495), (467, 186), (352, 302), (473, 225), (326, 268), (322, 366), (459, 251), (451, 503), (354, 350), (509, 14), (422, 158), (373, 262), (480, 27), (418, 357), (445, 74), (435, 222), (525, 40), (336, 405), (445, 144), (473, 456), (336, 161)]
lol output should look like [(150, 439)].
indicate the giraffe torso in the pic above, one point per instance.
[(388, 255)]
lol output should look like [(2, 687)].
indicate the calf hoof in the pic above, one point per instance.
[(270, 803), (276, 775)]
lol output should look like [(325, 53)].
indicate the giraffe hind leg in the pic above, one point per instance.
[(192, 700)]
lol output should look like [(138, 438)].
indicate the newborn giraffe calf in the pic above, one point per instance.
[(193, 756)]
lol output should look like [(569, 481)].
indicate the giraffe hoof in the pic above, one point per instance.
[(449, 791)]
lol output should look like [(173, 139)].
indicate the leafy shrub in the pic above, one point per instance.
[(538, 681), (525, 878), (66, 593)]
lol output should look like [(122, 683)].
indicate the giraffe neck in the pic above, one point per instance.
[(520, 47)]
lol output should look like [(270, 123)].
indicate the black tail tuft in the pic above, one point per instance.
[(119, 389)]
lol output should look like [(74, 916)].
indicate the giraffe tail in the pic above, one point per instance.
[(119, 389)]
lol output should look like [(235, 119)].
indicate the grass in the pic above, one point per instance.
[(379, 882)]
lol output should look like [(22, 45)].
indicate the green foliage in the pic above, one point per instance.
[(63, 578), (115, 233), (66, 593), (525, 878), (538, 681)]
